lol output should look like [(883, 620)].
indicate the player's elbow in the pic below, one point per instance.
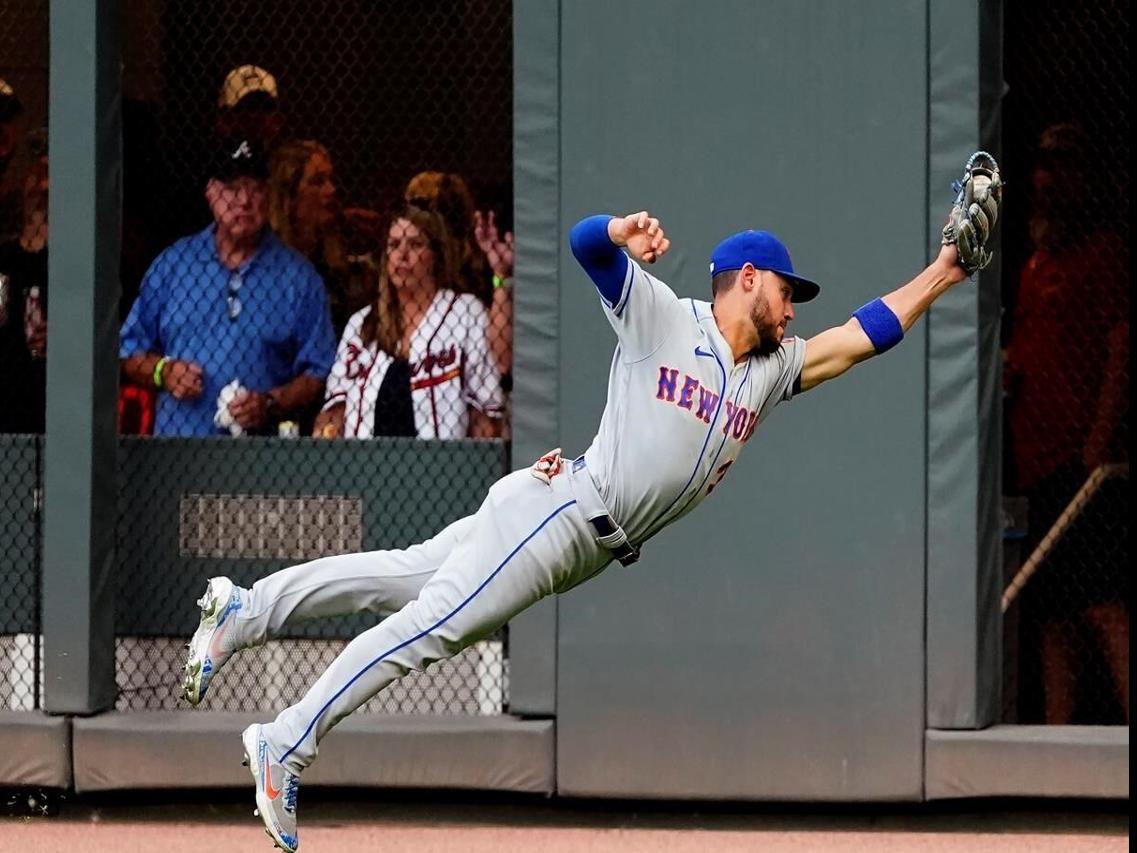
[(855, 345), (834, 352), (589, 240), (813, 375)]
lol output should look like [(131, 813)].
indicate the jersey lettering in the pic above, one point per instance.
[(750, 427), (708, 401), (690, 383), (435, 361), (667, 377), (739, 422), (732, 412)]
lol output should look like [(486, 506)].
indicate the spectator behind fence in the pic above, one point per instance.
[(163, 164), (230, 324), (248, 107), (415, 361), (485, 258), (11, 109), (23, 303), (304, 212), (1067, 379)]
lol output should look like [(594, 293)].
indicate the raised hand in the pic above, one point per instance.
[(641, 234), (498, 250)]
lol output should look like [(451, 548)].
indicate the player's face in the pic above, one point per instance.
[(315, 203), (771, 311), (239, 206), (410, 260)]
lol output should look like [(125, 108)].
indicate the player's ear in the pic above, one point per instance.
[(748, 276)]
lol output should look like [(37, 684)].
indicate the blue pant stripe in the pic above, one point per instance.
[(422, 634)]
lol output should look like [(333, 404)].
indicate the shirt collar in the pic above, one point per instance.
[(264, 249), (704, 313)]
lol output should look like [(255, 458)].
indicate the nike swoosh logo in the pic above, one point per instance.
[(701, 351), (272, 792)]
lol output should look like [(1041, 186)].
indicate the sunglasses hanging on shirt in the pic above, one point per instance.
[(232, 300)]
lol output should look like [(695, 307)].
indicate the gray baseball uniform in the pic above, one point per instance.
[(679, 411)]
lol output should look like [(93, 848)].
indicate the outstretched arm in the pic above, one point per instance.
[(832, 352), (880, 325)]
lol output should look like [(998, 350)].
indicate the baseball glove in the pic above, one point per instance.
[(975, 211)]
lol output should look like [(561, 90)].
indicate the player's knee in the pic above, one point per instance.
[(431, 622), (450, 640)]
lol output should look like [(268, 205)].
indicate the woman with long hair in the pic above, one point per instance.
[(415, 361), (304, 211)]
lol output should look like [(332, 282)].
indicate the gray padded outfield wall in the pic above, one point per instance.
[(536, 158), (771, 645), (964, 383), (79, 452)]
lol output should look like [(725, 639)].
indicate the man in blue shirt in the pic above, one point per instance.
[(231, 303)]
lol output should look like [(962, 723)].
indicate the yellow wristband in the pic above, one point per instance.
[(158, 368)]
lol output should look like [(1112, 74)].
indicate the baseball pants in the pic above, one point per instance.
[(527, 540)]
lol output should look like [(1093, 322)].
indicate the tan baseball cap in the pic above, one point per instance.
[(246, 80)]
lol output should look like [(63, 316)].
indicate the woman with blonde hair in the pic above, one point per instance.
[(304, 211), (415, 361)]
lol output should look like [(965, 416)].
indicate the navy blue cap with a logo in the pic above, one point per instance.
[(765, 252), (238, 158)]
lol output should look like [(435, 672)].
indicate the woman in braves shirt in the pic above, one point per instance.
[(414, 362)]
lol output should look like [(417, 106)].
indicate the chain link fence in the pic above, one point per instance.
[(21, 682), (23, 343), (1066, 347), (317, 315)]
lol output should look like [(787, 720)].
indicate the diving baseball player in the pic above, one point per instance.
[(690, 383)]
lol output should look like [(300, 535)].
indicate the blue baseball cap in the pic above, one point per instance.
[(765, 252)]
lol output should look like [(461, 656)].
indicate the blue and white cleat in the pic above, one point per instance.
[(212, 642), (277, 787)]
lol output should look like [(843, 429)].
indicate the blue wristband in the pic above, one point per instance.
[(880, 324)]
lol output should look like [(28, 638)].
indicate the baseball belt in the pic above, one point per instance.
[(609, 534)]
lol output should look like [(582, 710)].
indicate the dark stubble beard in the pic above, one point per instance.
[(766, 326)]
